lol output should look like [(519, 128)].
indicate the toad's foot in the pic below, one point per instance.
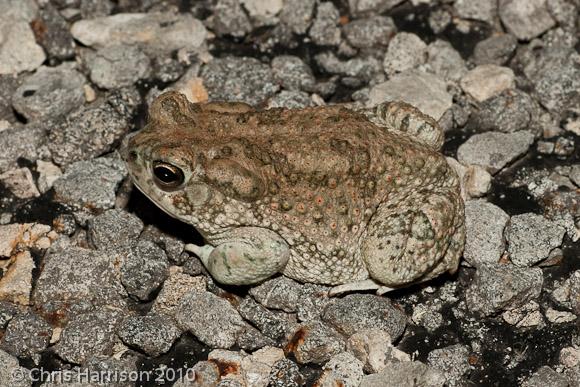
[(358, 286), (244, 255)]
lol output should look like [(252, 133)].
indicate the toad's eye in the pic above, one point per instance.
[(167, 176)]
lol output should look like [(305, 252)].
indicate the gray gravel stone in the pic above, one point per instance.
[(91, 9), (342, 369), (555, 74), (28, 142), (152, 334), (315, 342), (7, 313), (110, 367), (114, 67), (290, 100), (526, 19), (273, 325), (213, 320), (230, 19), (10, 371), (510, 111), (278, 293), (144, 270), (251, 339), (406, 51), (292, 73), (25, 10), (355, 312), (531, 238), (77, 277), (238, 79), (370, 32), (546, 376), (324, 30), (494, 150), (427, 92), (8, 85), (445, 61), (90, 184), (483, 10), (439, 19), (114, 229), (285, 373), (497, 49), (18, 48), (361, 69), (312, 302), (50, 92), (173, 246), (155, 32), (26, 336), (405, 374), (484, 240), (93, 130), (453, 361), (564, 12), (298, 15), (89, 334), (502, 287), (358, 7), (53, 34)]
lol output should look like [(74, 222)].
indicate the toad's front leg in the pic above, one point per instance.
[(244, 255)]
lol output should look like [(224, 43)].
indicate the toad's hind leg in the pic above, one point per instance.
[(414, 242), (401, 117), (244, 255)]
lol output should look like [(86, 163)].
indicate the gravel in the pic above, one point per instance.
[(485, 224), (526, 19)]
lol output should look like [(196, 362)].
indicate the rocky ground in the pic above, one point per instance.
[(94, 277)]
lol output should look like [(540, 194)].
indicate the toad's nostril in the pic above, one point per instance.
[(133, 156)]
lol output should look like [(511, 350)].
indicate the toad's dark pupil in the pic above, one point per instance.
[(165, 174)]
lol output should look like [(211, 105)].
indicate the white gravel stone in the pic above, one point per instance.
[(484, 10), (487, 80), (20, 183), (18, 49), (16, 284), (48, 174), (445, 61), (427, 92), (559, 316), (526, 19), (526, 316), (406, 51), (484, 240)]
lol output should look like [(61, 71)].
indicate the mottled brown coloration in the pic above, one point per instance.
[(324, 195)]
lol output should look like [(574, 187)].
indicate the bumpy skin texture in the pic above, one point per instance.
[(324, 195)]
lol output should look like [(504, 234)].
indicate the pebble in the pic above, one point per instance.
[(213, 320), (50, 92), (8, 311), (486, 81), (285, 373), (406, 51), (477, 181), (18, 48), (290, 100), (26, 10), (113, 67), (298, 15), (370, 32), (16, 283), (525, 316), (241, 79), (10, 371), (569, 357), (26, 336), (251, 339), (144, 270), (175, 287), (89, 334), (531, 238), (357, 70), (484, 240), (292, 73), (369, 6), (525, 19), (80, 279), (315, 342), (28, 142), (278, 293), (155, 32), (342, 369), (20, 183), (374, 348), (502, 287), (16, 237), (405, 374), (90, 184), (172, 245), (483, 10), (324, 30), (275, 326), (93, 130), (258, 366), (452, 361), (427, 92), (428, 316), (444, 61), (48, 173), (91, 9), (510, 111), (546, 376), (497, 50), (263, 12), (439, 20), (355, 312), (114, 229), (559, 316), (52, 33), (153, 334), (494, 150), (230, 19)]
